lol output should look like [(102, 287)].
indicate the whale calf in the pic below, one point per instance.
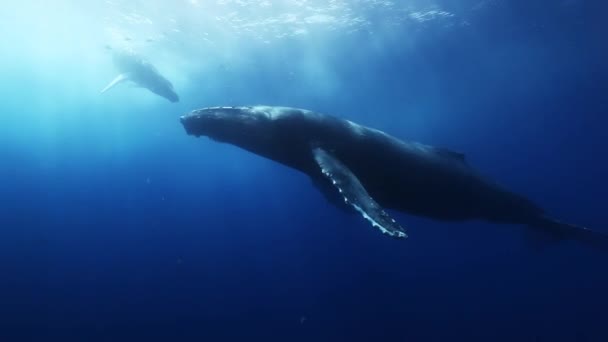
[(369, 170), (136, 69)]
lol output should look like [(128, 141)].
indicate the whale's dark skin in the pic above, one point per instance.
[(363, 162)]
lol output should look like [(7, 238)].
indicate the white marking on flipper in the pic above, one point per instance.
[(120, 78), (397, 233)]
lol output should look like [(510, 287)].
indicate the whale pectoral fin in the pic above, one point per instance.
[(355, 194), (328, 190), (120, 78)]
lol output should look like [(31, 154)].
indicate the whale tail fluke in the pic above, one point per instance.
[(558, 230)]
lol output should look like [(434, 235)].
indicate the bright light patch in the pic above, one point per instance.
[(430, 15), (65, 46), (319, 19)]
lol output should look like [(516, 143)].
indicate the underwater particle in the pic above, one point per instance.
[(303, 319)]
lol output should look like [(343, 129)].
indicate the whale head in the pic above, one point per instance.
[(166, 92), (158, 85), (247, 127)]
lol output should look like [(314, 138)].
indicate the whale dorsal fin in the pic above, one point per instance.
[(120, 78), (355, 195)]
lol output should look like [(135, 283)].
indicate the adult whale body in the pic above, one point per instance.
[(371, 170), (136, 69)]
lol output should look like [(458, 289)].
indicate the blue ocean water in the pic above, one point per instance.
[(117, 226)]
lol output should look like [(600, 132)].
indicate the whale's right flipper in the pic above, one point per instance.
[(355, 194), (120, 78)]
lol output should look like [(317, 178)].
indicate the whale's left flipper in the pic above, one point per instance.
[(355, 194), (120, 78)]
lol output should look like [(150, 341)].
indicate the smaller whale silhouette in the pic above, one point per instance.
[(136, 69), (369, 170)]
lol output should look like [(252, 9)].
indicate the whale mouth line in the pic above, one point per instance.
[(199, 122)]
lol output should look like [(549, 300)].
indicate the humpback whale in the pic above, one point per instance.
[(369, 170), (136, 69)]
